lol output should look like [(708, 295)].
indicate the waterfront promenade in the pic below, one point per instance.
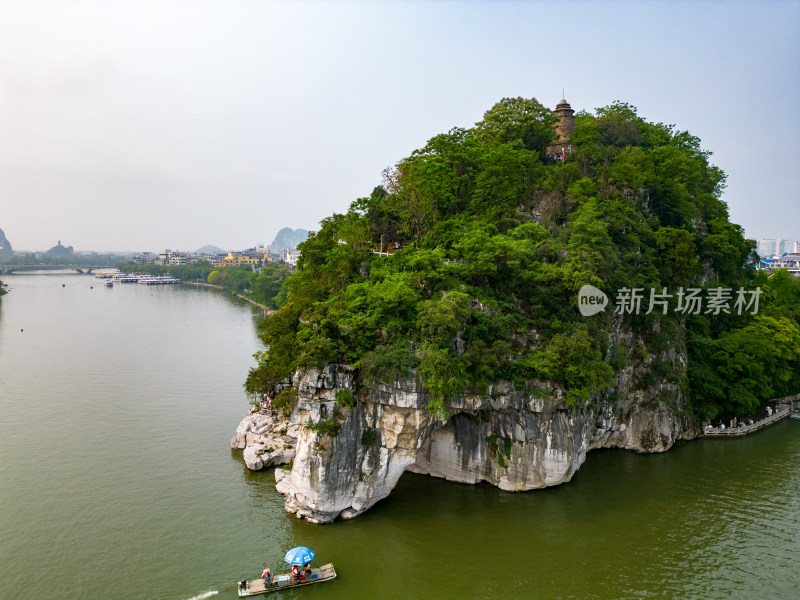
[(783, 408), (267, 310)]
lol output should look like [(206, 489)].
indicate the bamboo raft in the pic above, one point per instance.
[(254, 587)]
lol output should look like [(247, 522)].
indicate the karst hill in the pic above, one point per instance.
[(444, 307)]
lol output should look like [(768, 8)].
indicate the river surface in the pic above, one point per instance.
[(117, 406)]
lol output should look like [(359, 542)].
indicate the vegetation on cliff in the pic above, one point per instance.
[(465, 264)]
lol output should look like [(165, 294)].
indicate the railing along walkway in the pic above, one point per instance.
[(781, 412)]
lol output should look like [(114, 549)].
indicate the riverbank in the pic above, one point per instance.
[(267, 310), (348, 457)]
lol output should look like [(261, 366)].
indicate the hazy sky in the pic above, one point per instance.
[(144, 125)]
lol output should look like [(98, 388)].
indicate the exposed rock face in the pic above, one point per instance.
[(5, 246), (266, 441), (516, 439), (288, 238)]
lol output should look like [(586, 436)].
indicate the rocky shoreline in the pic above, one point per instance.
[(515, 439), (266, 440)]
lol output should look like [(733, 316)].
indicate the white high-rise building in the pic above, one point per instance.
[(770, 247), (797, 246), (767, 247)]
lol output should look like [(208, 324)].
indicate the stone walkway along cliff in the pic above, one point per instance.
[(783, 408)]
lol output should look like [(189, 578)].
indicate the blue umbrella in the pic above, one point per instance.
[(299, 556)]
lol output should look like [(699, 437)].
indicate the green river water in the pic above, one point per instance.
[(117, 406)]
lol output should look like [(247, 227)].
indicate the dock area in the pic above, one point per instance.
[(784, 407), (118, 277)]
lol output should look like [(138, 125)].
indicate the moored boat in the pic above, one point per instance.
[(254, 587)]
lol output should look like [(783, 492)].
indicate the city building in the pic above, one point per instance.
[(170, 258), (789, 261), (145, 258), (214, 260), (234, 259), (771, 247), (290, 257)]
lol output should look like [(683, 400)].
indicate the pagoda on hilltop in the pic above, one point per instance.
[(564, 128)]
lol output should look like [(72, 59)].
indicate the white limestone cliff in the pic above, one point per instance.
[(266, 440), (516, 439)]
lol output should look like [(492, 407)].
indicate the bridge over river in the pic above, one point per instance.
[(78, 268)]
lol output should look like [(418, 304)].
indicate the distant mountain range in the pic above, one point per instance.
[(5, 245), (210, 250), (288, 238)]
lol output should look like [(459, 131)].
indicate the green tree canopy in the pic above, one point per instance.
[(465, 263)]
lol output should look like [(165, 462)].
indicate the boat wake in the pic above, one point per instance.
[(205, 595)]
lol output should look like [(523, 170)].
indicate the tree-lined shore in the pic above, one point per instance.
[(263, 288)]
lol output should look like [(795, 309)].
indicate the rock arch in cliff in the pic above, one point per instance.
[(516, 439)]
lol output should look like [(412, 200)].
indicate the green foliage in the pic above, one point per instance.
[(443, 375), (439, 320), (518, 122), (573, 360), (490, 242), (368, 437), (285, 401), (756, 362), (738, 362), (233, 279), (677, 262), (326, 426), (264, 287), (197, 271), (345, 398), (382, 363), (494, 448), (267, 285), (589, 246), (279, 360)]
